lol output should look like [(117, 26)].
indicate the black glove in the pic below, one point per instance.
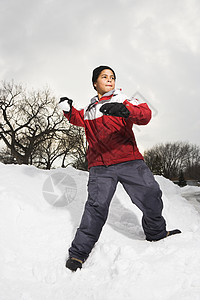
[(115, 109), (68, 100)]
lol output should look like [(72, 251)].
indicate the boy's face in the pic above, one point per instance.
[(105, 82)]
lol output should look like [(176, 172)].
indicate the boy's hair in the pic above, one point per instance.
[(97, 71)]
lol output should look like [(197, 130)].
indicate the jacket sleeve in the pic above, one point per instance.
[(77, 117), (140, 114)]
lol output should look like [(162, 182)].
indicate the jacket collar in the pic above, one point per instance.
[(113, 92)]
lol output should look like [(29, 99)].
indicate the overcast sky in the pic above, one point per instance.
[(153, 46)]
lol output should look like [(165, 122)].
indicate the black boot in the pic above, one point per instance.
[(73, 263), (172, 232)]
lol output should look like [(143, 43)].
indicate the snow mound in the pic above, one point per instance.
[(39, 213)]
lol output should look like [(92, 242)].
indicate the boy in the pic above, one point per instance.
[(113, 157)]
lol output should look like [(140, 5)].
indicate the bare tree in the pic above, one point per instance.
[(60, 148), (79, 153), (154, 161), (6, 157), (193, 172), (192, 168), (170, 158), (26, 121), (35, 132)]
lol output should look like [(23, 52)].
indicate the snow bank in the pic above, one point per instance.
[(39, 213)]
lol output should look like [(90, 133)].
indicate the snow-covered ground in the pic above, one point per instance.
[(39, 213), (192, 194)]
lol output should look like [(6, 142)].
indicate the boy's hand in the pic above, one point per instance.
[(65, 104), (115, 109)]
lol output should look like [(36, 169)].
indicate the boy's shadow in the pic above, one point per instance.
[(124, 220), (120, 218), (73, 194)]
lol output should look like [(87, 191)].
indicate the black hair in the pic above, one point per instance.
[(97, 71)]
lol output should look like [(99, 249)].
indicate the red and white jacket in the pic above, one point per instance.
[(110, 139)]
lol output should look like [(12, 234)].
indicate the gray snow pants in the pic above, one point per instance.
[(144, 191)]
